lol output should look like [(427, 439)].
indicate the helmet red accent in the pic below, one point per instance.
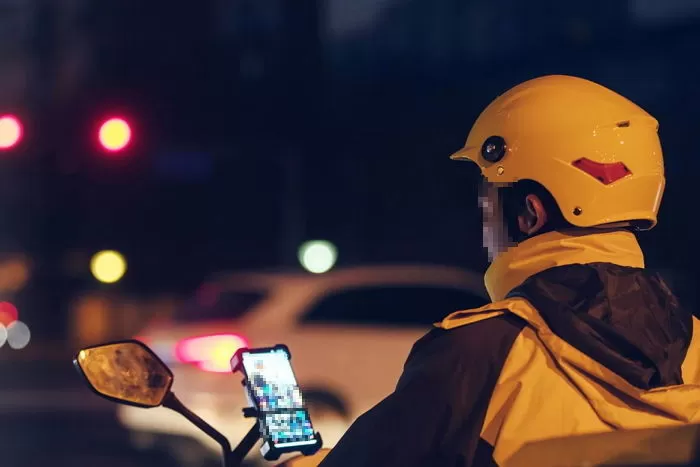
[(604, 173)]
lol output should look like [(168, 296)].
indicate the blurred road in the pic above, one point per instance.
[(48, 417)]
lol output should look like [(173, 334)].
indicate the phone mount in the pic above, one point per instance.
[(268, 450)]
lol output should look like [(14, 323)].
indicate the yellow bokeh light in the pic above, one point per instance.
[(108, 266), (14, 274)]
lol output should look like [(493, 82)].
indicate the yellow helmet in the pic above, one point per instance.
[(596, 152)]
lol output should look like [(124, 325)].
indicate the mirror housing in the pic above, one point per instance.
[(127, 372)]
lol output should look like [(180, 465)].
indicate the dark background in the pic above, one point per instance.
[(260, 124)]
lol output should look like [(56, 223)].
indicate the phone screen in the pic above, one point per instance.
[(289, 428), (277, 395)]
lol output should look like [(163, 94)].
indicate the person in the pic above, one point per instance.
[(579, 337)]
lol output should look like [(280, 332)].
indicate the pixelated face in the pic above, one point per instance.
[(495, 238)]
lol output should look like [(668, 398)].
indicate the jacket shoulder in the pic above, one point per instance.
[(488, 335), (462, 318)]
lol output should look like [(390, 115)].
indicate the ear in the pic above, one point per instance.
[(534, 217)]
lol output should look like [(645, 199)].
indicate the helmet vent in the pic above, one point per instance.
[(623, 124), (604, 173)]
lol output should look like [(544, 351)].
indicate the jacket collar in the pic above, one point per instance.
[(580, 246)]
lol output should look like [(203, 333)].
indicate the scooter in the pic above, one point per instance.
[(128, 372)]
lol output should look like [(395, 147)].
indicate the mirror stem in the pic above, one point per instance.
[(173, 403), (246, 444)]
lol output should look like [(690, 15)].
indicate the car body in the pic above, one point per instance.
[(349, 332)]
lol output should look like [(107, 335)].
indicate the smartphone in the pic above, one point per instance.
[(272, 389)]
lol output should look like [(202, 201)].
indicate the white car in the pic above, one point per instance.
[(349, 332)]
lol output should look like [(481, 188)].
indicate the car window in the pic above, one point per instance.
[(214, 305), (396, 305)]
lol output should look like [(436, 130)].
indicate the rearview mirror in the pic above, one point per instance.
[(126, 372)]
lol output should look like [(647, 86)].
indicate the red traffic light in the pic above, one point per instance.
[(115, 134), (8, 313), (10, 132)]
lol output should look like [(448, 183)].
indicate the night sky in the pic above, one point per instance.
[(261, 124)]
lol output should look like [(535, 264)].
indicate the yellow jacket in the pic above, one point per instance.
[(579, 339), (547, 388)]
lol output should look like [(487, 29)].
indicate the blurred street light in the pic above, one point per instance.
[(14, 273), (18, 335), (318, 256), (12, 331), (108, 266), (115, 134), (8, 313), (10, 132)]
